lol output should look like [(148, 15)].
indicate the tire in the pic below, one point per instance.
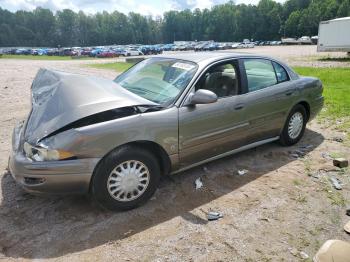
[(290, 135), (106, 178)]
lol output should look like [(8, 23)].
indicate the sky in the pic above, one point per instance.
[(145, 7)]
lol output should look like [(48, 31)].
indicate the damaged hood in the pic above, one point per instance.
[(59, 99)]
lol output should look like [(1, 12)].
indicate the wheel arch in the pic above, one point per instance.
[(157, 150), (306, 105), (303, 103)]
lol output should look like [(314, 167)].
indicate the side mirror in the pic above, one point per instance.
[(203, 96)]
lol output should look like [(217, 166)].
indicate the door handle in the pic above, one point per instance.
[(239, 107), (289, 93)]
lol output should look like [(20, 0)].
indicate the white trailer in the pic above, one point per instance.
[(334, 35)]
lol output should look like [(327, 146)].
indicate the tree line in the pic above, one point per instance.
[(268, 20)]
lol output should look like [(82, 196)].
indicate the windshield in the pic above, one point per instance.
[(159, 80)]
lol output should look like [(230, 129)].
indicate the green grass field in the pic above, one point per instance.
[(118, 66), (336, 82)]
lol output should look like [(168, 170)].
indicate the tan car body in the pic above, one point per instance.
[(181, 135)]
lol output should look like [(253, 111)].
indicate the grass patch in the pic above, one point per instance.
[(334, 59), (335, 197), (307, 166), (117, 66), (297, 182), (336, 82), (336, 155), (301, 199)]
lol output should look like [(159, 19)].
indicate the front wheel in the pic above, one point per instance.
[(125, 178), (294, 127)]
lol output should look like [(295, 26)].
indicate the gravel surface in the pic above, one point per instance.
[(281, 207)]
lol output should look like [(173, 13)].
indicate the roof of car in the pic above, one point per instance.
[(203, 56)]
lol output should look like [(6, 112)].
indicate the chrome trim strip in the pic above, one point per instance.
[(215, 133), (243, 148)]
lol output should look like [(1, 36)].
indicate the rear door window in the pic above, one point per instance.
[(260, 74)]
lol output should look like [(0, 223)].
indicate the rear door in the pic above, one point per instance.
[(269, 96)]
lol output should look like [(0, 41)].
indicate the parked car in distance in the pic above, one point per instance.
[(164, 115), (107, 54), (23, 51), (305, 40), (131, 52)]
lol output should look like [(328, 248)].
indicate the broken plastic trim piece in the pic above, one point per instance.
[(106, 116)]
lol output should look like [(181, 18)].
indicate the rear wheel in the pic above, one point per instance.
[(125, 178), (294, 127)]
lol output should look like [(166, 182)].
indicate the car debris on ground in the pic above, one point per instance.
[(327, 156), (242, 172), (336, 183), (323, 173), (340, 162), (293, 251), (347, 227), (338, 139), (198, 183), (301, 151), (348, 211), (333, 251), (213, 215), (303, 255)]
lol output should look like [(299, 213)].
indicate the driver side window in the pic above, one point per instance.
[(222, 79)]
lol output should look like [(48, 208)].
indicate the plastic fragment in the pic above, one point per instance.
[(336, 184), (212, 215), (303, 255), (198, 183), (242, 172), (347, 227)]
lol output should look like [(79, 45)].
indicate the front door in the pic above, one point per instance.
[(209, 130)]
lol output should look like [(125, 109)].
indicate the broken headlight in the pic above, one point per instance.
[(45, 154)]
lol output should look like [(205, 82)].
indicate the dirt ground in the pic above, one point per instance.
[(281, 207)]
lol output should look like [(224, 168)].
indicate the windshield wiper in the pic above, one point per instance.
[(144, 91)]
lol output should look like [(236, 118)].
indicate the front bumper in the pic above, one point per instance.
[(67, 176)]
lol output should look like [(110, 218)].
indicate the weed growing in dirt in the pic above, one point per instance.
[(307, 166), (335, 197), (297, 182), (301, 198)]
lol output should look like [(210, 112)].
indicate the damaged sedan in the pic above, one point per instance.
[(115, 139)]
